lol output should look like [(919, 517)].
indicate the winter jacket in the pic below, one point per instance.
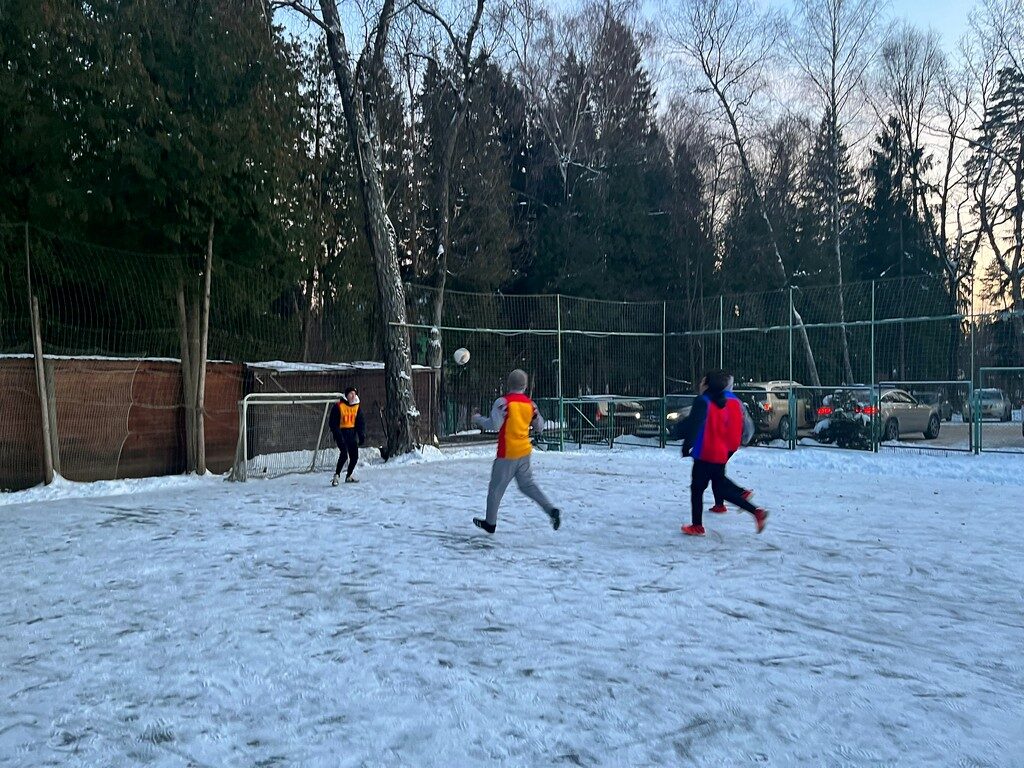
[(713, 431), (511, 417), (347, 421)]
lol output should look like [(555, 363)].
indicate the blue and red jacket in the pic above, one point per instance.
[(713, 431)]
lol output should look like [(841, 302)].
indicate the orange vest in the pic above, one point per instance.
[(514, 435), (348, 415)]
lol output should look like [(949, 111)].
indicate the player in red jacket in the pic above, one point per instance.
[(712, 433)]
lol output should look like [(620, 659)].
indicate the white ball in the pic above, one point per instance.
[(461, 355)]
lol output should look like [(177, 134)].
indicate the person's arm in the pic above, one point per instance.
[(693, 423), (748, 427), (334, 420), (538, 420), (493, 424), (361, 426)]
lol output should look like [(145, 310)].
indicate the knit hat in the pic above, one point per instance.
[(517, 381)]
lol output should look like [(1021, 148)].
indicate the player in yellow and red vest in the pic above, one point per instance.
[(349, 432), (512, 416)]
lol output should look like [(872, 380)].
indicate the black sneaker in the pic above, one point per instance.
[(480, 523), (556, 518)]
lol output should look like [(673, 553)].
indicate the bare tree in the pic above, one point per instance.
[(466, 51), (731, 43), (541, 44), (997, 164), (359, 79), (834, 43)]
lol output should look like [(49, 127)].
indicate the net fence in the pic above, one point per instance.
[(791, 352), (113, 324)]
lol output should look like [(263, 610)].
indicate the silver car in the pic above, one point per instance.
[(994, 405), (901, 413)]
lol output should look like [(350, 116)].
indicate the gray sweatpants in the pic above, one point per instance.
[(503, 471)]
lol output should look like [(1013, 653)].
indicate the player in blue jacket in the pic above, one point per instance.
[(712, 433)]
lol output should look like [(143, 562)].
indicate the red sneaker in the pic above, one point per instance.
[(718, 509), (747, 495), (761, 518), (693, 530)]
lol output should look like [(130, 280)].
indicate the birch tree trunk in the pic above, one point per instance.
[(356, 87)]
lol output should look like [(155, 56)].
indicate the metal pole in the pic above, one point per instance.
[(561, 398), (319, 437), (793, 412), (875, 417), (664, 372), (791, 333), (245, 439), (721, 331)]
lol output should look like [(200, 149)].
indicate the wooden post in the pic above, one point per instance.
[(37, 345), (193, 356), (51, 409), (187, 384), (204, 346)]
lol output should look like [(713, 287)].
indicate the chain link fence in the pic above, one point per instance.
[(112, 325), (899, 357)]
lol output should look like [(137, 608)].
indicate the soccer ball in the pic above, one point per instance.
[(461, 355)]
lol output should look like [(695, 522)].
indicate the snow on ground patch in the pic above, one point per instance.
[(878, 620)]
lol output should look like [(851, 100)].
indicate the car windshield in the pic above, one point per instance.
[(756, 395), (991, 394), (675, 402)]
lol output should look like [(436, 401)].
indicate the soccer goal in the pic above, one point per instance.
[(282, 433)]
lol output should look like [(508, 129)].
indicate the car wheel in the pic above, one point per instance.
[(892, 431), (784, 428), (933, 428)]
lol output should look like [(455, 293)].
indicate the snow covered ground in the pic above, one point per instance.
[(879, 620)]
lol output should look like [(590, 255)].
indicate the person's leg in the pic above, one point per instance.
[(502, 472), (698, 484), (528, 486), (353, 456), (734, 494), (342, 455)]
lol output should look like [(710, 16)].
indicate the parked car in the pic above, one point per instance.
[(768, 404), (901, 413), (678, 407), (898, 413), (994, 405), (937, 401)]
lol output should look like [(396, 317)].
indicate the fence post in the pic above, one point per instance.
[(874, 376), (37, 354), (791, 333), (561, 400), (37, 346), (664, 372), (793, 406), (204, 345), (51, 408), (721, 331)]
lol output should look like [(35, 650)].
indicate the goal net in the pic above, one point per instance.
[(284, 433)]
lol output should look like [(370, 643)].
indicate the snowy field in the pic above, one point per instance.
[(879, 620)]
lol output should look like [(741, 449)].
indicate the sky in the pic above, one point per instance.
[(947, 17)]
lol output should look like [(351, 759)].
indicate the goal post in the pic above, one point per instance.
[(282, 433)]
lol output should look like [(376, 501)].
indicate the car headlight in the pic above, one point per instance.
[(672, 417)]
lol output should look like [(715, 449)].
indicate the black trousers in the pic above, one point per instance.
[(348, 444), (725, 489)]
